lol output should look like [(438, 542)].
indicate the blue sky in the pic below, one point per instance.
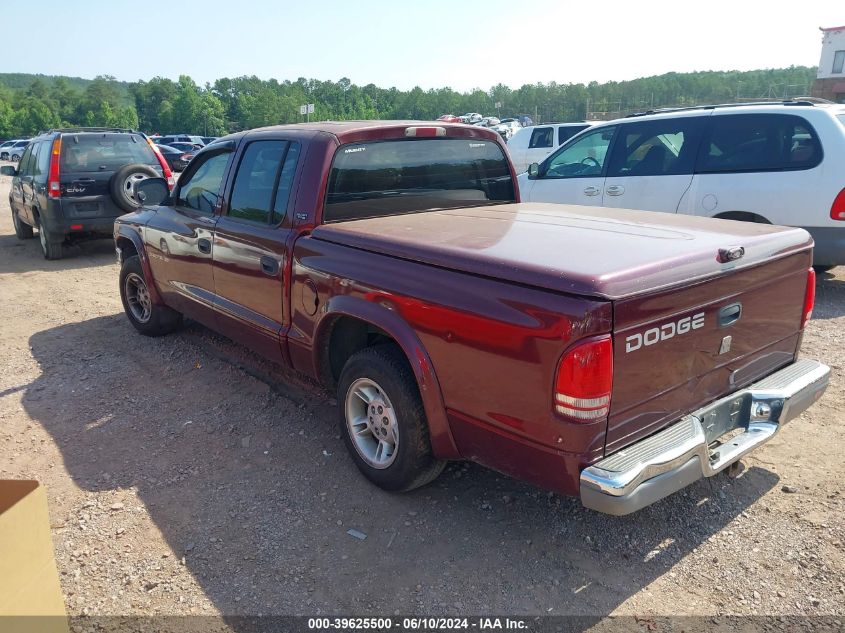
[(459, 44)]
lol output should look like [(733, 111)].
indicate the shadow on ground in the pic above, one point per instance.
[(830, 296), (255, 489), (21, 256)]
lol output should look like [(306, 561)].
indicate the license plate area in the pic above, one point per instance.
[(727, 416)]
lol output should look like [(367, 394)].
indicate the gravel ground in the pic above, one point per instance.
[(185, 475)]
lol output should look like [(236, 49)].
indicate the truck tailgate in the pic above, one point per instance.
[(678, 349)]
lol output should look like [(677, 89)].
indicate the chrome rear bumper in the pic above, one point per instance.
[(702, 443)]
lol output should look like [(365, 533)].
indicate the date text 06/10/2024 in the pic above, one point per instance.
[(416, 624)]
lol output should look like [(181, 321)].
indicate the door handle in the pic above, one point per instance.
[(204, 245), (730, 314), (592, 191), (615, 190), (269, 266)]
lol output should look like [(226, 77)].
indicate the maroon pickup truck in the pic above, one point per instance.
[(610, 354)]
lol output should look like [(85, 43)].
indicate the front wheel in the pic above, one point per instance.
[(147, 317), (383, 421)]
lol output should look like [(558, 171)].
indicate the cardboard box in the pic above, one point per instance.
[(30, 595)]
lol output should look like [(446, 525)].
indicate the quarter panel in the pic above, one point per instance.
[(494, 346)]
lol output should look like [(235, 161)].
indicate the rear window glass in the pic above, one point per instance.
[(100, 152), (406, 176), (759, 142), (541, 137)]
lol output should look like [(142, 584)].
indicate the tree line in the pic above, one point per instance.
[(32, 103)]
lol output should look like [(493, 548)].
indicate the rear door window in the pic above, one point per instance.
[(542, 137), (43, 166), (262, 183), (662, 147), (25, 166), (759, 142), (407, 176), (104, 152)]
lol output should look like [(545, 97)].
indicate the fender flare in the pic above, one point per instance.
[(126, 232), (442, 443)]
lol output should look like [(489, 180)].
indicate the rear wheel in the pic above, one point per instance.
[(23, 231), (383, 421), (51, 246), (16, 157), (147, 317)]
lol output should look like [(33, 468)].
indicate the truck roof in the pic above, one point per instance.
[(354, 131)]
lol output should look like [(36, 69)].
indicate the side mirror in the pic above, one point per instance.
[(533, 170), (151, 191), (8, 170)]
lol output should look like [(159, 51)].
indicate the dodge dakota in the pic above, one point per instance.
[(610, 354)]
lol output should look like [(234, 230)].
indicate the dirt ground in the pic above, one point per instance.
[(186, 475)]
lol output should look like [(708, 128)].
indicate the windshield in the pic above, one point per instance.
[(407, 176)]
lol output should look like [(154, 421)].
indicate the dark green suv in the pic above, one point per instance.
[(72, 183)]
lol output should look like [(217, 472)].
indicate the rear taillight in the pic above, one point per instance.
[(584, 380), (165, 168), (837, 209), (54, 183), (809, 297)]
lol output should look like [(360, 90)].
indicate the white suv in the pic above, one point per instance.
[(532, 144), (778, 163)]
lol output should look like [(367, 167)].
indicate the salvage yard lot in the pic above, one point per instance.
[(186, 475)]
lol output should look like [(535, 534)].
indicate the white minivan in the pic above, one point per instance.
[(532, 144), (777, 163)]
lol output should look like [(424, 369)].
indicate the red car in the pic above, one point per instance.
[(610, 354), (449, 118)]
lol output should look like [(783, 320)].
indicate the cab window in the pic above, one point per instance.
[(200, 192)]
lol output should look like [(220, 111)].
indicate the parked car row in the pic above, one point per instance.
[(506, 127), (629, 328), (652, 350), (13, 150), (179, 149)]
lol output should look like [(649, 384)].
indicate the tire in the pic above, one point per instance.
[(23, 231), (395, 410), (15, 158), (51, 247), (122, 185), (145, 316)]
